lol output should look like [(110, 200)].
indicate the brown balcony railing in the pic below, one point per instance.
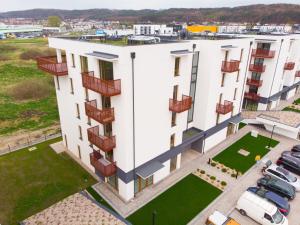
[(252, 96), (230, 66), (257, 68), (49, 64), (289, 66), (263, 53), (104, 143), (103, 116), (297, 74), (254, 82), (180, 106), (103, 166), (224, 108), (104, 87)]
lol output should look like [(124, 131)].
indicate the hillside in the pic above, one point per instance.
[(274, 13)]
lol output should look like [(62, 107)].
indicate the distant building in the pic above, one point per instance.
[(232, 29), (201, 29), (152, 29)]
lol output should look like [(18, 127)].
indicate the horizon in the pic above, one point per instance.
[(177, 4)]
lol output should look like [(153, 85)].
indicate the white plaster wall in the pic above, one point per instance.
[(162, 173), (215, 139)]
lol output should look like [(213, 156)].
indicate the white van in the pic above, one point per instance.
[(260, 210)]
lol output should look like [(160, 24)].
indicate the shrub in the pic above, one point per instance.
[(202, 172), (34, 53), (213, 164), (223, 183), (233, 175), (30, 89), (224, 170), (213, 178)]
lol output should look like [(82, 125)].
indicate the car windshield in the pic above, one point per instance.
[(287, 174), (277, 217)]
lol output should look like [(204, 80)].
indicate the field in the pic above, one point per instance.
[(27, 95)]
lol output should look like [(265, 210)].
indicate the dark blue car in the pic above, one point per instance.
[(280, 202)]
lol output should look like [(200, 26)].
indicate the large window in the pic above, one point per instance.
[(106, 70), (177, 64), (84, 64)]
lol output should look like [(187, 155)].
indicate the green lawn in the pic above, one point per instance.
[(33, 181), (179, 204), (256, 146), (291, 109), (31, 114), (297, 101), (241, 125)]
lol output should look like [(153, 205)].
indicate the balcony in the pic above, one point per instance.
[(230, 66), (297, 74), (289, 66), (50, 65), (263, 53), (224, 108), (104, 143), (103, 116), (257, 68), (105, 167), (253, 82), (252, 96), (104, 87), (180, 106)]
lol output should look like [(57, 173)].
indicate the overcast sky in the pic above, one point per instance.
[(11, 5)]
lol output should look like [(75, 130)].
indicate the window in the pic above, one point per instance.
[(84, 64), (66, 140), (71, 86), (79, 151), (77, 111), (80, 132), (234, 95), (73, 60), (220, 98), (238, 76), (172, 141), (241, 56), (268, 217), (218, 118), (175, 92), (89, 121), (57, 83), (107, 129), (173, 121), (86, 94), (177, 62), (106, 70), (223, 80), (193, 85)]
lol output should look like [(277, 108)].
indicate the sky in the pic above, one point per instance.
[(13, 5)]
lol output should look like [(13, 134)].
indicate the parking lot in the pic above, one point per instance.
[(227, 201)]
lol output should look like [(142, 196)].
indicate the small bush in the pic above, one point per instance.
[(213, 178), (32, 54), (202, 172), (224, 170), (233, 175), (223, 183), (30, 89), (213, 164)]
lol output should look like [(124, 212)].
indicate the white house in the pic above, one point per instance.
[(152, 29)]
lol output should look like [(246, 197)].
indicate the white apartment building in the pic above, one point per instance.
[(273, 71), (232, 29), (132, 113), (285, 28), (152, 29)]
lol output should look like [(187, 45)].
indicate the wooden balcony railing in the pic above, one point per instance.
[(224, 108), (257, 68), (289, 66), (253, 82), (297, 74), (103, 116), (103, 166), (230, 66), (104, 143), (263, 53), (104, 87), (252, 96), (180, 106), (49, 64)]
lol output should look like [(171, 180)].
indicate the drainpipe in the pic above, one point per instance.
[(275, 71), (245, 77), (132, 55)]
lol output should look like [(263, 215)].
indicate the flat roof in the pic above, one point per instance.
[(288, 118)]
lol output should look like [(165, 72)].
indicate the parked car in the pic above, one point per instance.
[(292, 154), (260, 209), (280, 202), (282, 174), (278, 186), (218, 218), (290, 163), (296, 148)]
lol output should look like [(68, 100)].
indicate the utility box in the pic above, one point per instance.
[(254, 133)]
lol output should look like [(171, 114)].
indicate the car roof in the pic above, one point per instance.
[(276, 198), (260, 202), (291, 158)]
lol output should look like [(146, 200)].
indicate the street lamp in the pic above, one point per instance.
[(269, 145)]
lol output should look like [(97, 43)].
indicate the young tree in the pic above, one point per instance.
[(54, 21)]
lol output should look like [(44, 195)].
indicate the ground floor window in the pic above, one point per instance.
[(140, 183), (113, 181), (250, 105)]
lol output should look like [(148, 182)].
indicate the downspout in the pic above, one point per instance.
[(245, 77), (275, 71), (132, 55)]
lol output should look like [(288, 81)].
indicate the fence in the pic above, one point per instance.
[(28, 142)]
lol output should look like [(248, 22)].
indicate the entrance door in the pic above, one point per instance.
[(230, 129), (141, 184), (269, 105), (173, 163)]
